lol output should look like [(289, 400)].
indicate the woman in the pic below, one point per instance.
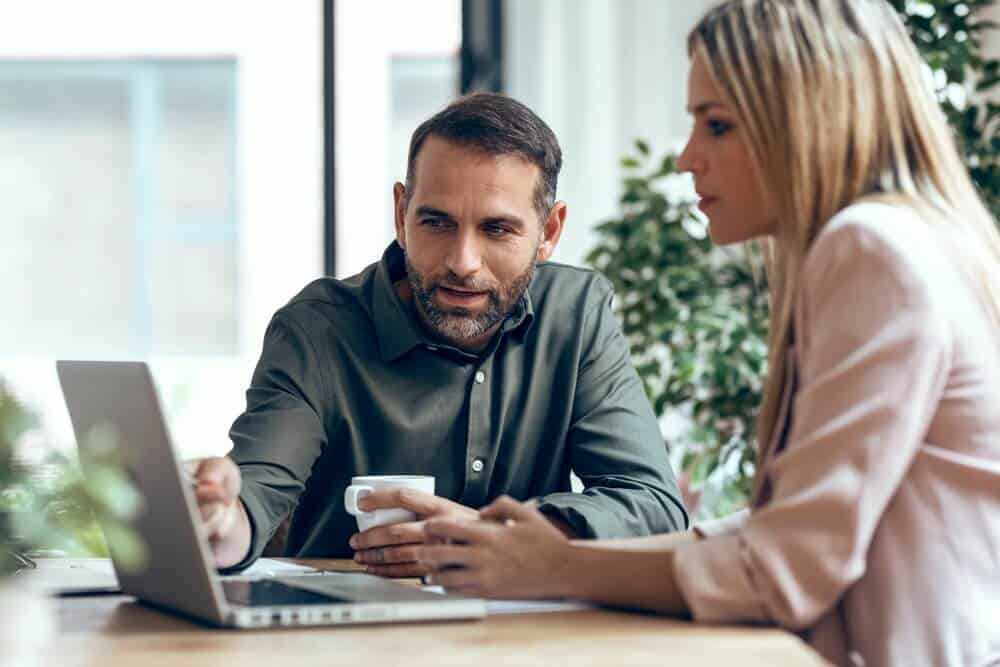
[(874, 528)]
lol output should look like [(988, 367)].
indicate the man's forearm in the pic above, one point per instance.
[(606, 512)]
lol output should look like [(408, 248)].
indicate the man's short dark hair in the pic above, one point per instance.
[(496, 125)]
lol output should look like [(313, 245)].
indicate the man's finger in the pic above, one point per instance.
[(220, 470), (209, 493), (411, 532), (418, 502), (504, 508), (213, 518), (388, 555), (403, 570)]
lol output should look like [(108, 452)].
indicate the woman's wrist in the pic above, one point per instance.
[(583, 567)]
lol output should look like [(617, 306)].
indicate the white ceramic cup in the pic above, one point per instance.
[(362, 486)]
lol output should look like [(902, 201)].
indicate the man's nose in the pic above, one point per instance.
[(465, 257)]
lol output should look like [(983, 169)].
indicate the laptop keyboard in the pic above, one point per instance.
[(268, 593)]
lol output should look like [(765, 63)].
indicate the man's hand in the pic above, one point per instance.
[(216, 482), (391, 551)]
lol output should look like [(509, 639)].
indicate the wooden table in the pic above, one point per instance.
[(112, 631)]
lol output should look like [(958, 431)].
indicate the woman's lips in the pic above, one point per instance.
[(705, 202)]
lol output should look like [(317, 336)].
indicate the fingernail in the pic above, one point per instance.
[(354, 542), (357, 558), (428, 579)]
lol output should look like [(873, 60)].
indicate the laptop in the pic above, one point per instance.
[(178, 575)]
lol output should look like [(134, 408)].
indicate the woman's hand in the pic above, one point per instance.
[(513, 552)]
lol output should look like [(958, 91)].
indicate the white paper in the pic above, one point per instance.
[(499, 607), (269, 567)]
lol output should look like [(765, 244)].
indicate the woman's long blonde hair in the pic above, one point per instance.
[(834, 108)]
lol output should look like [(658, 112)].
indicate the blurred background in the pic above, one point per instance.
[(167, 168), (171, 173)]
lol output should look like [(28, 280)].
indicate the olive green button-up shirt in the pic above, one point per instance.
[(349, 384)]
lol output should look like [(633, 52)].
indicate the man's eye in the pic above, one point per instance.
[(718, 127), (495, 230), (433, 223)]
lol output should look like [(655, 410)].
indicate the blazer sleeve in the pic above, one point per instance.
[(875, 353)]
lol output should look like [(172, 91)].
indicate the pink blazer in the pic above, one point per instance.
[(876, 534)]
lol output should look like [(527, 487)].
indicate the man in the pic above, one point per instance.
[(462, 355)]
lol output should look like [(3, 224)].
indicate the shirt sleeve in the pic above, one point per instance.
[(278, 438), (875, 352), (614, 443)]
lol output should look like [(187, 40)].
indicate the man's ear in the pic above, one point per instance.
[(399, 212), (551, 231)]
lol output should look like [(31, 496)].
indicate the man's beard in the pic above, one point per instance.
[(459, 325)]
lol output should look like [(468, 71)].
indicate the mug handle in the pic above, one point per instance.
[(351, 497)]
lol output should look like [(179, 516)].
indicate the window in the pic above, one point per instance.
[(161, 196), (118, 231)]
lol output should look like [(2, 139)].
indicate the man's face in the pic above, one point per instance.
[(472, 237)]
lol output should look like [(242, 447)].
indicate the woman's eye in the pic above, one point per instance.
[(718, 127)]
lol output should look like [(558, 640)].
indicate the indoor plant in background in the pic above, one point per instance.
[(46, 504), (696, 315)]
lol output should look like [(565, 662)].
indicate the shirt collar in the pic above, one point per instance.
[(395, 329)]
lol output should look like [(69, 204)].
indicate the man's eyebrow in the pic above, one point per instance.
[(511, 220), (699, 109), (430, 211)]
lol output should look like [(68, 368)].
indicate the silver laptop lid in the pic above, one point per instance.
[(178, 573)]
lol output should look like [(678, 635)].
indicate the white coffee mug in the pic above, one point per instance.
[(362, 486)]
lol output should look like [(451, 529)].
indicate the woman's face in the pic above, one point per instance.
[(717, 156)]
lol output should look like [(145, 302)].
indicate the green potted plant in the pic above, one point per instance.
[(47, 505), (696, 316)]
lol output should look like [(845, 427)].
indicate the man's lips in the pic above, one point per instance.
[(459, 295), (706, 201)]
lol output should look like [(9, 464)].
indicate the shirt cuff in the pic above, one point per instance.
[(716, 580), (723, 525), (581, 526)]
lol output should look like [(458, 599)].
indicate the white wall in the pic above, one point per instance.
[(601, 73)]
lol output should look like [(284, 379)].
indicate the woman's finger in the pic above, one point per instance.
[(470, 532), (388, 555), (442, 556), (460, 580)]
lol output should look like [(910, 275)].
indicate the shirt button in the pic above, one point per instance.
[(477, 465), (480, 378)]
